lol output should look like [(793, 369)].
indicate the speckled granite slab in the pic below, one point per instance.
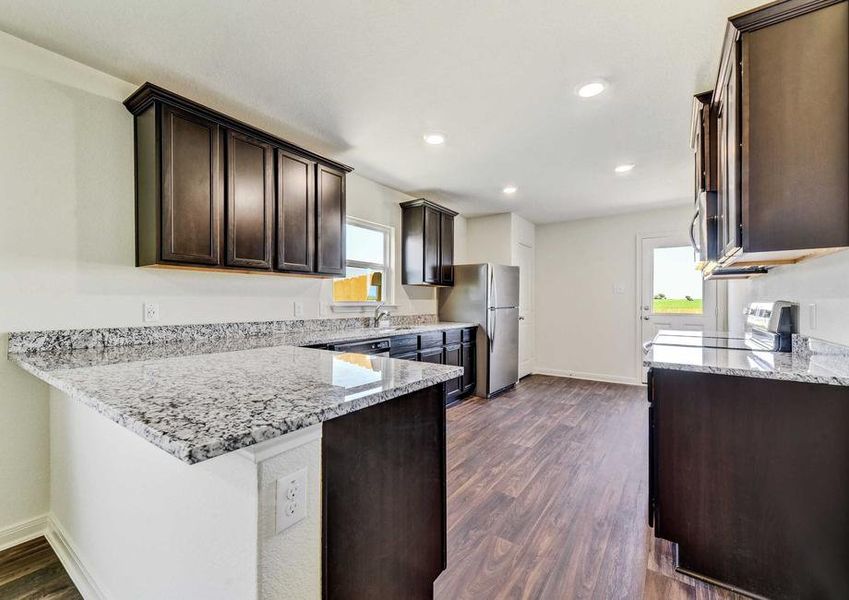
[(80, 339), (203, 397), (201, 406), (812, 361)]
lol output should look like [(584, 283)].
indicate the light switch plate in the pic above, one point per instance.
[(151, 312), (812, 316), (291, 499)]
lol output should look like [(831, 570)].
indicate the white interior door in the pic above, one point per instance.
[(525, 262), (673, 294)]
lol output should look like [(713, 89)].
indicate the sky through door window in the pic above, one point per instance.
[(677, 285), (368, 271)]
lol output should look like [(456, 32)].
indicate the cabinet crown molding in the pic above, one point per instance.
[(149, 93), (424, 202)]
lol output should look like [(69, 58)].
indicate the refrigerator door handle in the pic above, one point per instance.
[(492, 303)]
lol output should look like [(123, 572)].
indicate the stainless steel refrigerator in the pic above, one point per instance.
[(488, 295)]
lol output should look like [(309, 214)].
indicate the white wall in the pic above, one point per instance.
[(67, 247), (488, 239), (145, 525), (583, 328), (821, 281)]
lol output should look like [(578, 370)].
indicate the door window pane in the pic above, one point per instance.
[(677, 285)]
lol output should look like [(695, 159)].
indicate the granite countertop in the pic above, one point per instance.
[(811, 361), (200, 399)]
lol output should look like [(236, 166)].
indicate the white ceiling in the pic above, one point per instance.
[(363, 81)]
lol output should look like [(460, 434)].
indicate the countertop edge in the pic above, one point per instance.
[(774, 375), (196, 453)]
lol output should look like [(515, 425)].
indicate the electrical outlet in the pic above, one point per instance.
[(812, 316), (298, 309), (291, 499), (151, 312)]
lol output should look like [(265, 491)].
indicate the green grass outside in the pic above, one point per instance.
[(677, 306)]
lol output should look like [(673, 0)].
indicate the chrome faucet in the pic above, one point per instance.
[(379, 314)]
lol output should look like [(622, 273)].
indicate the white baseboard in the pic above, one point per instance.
[(22, 532), (70, 559), (588, 376)]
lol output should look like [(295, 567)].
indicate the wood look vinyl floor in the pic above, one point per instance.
[(32, 571), (547, 492)]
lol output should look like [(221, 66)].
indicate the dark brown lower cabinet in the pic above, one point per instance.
[(453, 388), (468, 357), (750, 478), (432, 355), (451, 347), (384, 499)]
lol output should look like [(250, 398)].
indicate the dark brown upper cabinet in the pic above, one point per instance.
[(427, 253), (250, 202), (330, 221), (780, 112), (295, 212), (213, 191), (191, 193)]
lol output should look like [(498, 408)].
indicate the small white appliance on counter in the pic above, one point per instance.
[(488, 295)]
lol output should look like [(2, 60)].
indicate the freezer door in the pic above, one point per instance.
[(504, 286), (466, 300), (503, 349)]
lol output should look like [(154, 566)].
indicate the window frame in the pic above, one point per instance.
[(388, 267)]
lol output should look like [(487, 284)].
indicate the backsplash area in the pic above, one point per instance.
[(820, 286), (79, 339)]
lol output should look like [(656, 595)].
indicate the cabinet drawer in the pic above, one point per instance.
[(407, 356), (403, 344), (430, 339), (453, 336), (432, 355), (469, 334)]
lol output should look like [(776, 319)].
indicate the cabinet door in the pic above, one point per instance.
[(295, 212), (468, 362), (432, 227), (730, 202), (432, 355), (330, 221), (191, 189), (250, 202), (453, 356), (446, 254)]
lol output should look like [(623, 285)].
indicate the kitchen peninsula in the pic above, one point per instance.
[(241, 408)]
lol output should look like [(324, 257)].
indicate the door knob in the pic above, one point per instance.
[(646, 308), (646, 319)]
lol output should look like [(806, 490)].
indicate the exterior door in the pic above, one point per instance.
[(673, 294), (525, 255)]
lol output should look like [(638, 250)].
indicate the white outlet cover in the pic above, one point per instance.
[(812, 316), (151, 312), (298, 309), (291, 499)]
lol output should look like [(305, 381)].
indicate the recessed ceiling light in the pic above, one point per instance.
[(591, 88), (510, 189), (625, 168), (434, 139)]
